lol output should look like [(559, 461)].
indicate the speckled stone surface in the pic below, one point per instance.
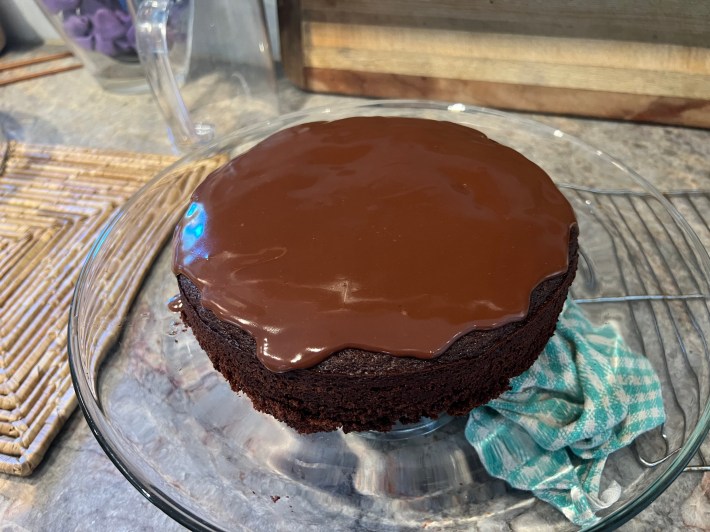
[(77, 487)]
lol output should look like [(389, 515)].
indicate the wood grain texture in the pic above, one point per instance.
[(543, 74), (683, 22), (290, 35), (633, 60), (665, 110), (508, 47)]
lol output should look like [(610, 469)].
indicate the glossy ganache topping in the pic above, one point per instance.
[(390, 234)]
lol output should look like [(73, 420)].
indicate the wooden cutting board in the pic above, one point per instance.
[(633, 60)]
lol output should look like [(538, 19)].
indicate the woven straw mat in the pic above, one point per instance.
[(53, 203)]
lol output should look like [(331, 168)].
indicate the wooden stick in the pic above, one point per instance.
[(34, 75), (34, 60)]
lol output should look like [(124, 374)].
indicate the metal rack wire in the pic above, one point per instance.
[(652, 284)]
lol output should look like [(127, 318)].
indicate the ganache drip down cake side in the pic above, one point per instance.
[(356, 273)]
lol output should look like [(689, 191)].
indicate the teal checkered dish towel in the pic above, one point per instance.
[(586, 396)]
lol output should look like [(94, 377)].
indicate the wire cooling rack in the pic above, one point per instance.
[(652, 284)]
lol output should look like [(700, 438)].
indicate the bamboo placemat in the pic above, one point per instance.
[(53, 203)]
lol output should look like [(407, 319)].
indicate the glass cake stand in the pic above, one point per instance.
[(201, 453)]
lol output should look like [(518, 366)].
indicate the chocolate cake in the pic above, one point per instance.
[(355, 273)]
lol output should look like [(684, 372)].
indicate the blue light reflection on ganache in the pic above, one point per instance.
[(192, 229)]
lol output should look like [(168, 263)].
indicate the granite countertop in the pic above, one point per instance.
[(77, 487)]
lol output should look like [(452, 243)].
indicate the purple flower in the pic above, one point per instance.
[(77, 26), (107, 25), (124, 17), (101, 25), (111, 30), (104, 45)]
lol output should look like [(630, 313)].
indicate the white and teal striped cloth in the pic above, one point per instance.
[(585, 397)]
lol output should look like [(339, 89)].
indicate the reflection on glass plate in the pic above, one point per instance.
[(202, 454)]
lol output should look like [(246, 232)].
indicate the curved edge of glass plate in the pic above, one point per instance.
[(80, 376)]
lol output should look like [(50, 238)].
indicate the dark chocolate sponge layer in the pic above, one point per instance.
[(361, 390)]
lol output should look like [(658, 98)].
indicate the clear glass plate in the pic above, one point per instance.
[(201, 453)]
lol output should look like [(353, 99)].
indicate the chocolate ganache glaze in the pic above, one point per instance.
[(386, 234)]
